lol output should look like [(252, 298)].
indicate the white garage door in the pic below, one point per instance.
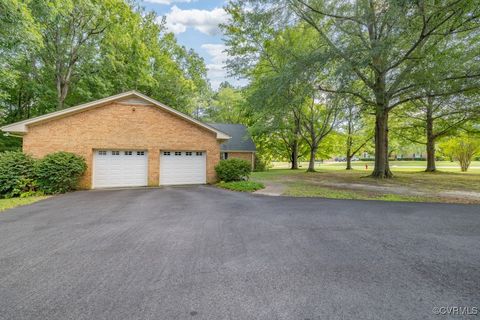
[(120, 168), (183, 167)]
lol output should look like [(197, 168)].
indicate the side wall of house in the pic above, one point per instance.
[(122, 127), (247, 156)]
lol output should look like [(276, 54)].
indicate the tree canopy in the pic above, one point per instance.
[(64, 52), (383, 54)]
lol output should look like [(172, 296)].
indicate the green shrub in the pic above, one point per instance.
[(25, 186), (9, 143), (60, 172), (233, 170), (260, 164), (29, 194), (16, 173), (244, 186)]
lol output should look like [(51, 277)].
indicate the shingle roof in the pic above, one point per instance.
[(241, 139)]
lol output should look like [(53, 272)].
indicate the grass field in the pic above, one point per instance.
[(413, 166), (16, 202), (244, 186), (409, 183)]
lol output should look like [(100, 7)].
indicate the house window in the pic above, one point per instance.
[(128, 153), (166, 153), (224, 155), (199, 153), (188, 153), (102, 153), (115, 153), (178, 153), (140, 153)]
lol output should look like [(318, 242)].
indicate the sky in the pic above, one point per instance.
[(195, 24)]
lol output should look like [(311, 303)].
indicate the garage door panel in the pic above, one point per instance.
[(182, 167), (120, 168)]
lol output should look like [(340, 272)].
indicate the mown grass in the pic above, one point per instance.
[(425, 180), (244, 186), (16, 202), (305, 190), (413, 166), (356, 184)]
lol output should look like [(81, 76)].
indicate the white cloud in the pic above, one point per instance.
[(167, 1), (216, 51), (216, 71), (205, 21)]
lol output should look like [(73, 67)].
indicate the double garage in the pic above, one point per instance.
[(129, 168), (127, 140)]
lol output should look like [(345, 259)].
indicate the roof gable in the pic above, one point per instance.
[(130, 97)]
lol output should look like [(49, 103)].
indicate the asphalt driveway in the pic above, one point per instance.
[(204, 253)]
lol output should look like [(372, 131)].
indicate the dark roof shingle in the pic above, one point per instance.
[(241, 139)]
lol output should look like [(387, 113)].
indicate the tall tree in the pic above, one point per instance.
[(71, 32), (19, 37), (426, 120), (119, 47), (317, 122), (228, 105), (283, 132), (462, 149), (355, 128), (278, 88), (385, 45)]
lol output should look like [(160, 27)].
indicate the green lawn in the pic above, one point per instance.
[(16, 202), (333, 181), (244, 186), (445, 166)]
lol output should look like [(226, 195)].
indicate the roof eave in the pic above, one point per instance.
[(14, 129), (223, 136)]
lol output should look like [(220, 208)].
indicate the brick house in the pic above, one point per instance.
[(127, 140)]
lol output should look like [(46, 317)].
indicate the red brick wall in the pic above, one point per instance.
[(248, 156)]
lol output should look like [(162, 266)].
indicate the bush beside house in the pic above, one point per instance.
[(17, 174), (59, 172), (233, 170), (22, 176), (233, 174)]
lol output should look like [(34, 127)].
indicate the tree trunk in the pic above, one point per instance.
[(60, 102), (349, 152), (295, 142), (294, 155), (19, 105), (311, 163), (382, 168), (430, 141), (431, 155), (465, 160), (349, 162), (62, 91), (59, 92)]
